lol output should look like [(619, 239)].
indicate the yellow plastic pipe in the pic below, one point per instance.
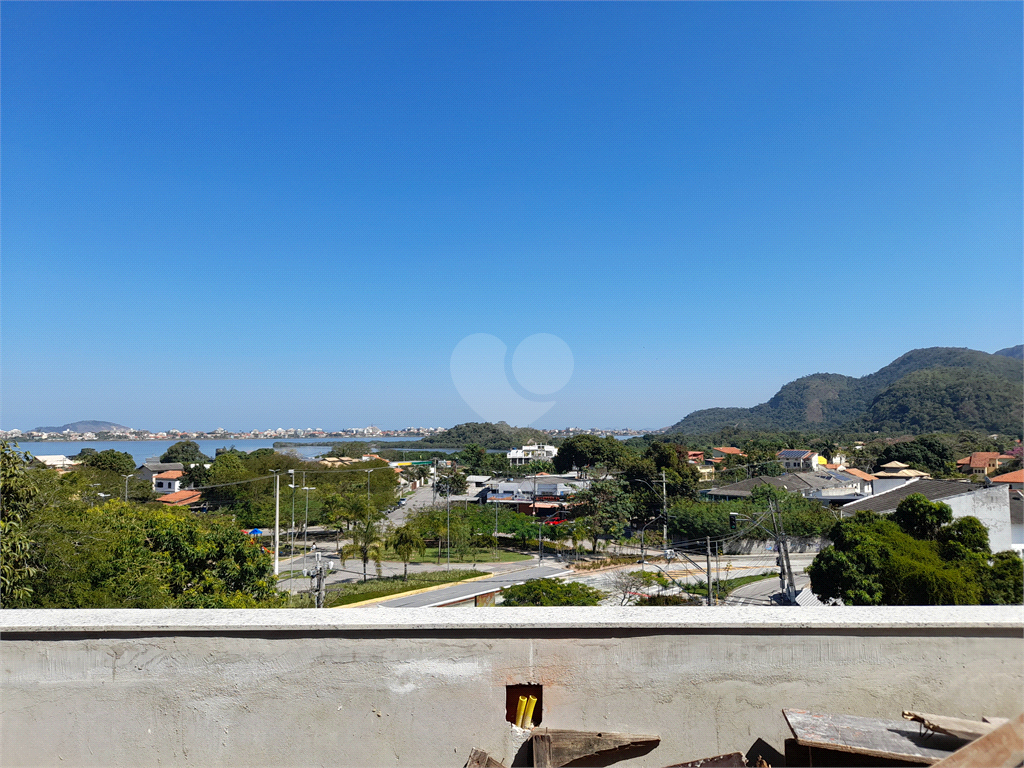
[(528, 717), (520, 711)]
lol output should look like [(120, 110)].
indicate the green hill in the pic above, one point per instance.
[(497, 437), (990, 395)]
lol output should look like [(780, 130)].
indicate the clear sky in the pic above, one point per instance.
[(256, 215)]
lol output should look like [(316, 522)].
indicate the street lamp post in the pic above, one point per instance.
[(305, 526), (277, 523), (126, 485)]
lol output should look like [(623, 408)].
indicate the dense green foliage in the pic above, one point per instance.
[(545, 592), (968, 390), (118, 462), (947, 399), (185, 452), (927, 453), (499, 437), (873, 561), (694, 520), (17, 493), (68, 553)]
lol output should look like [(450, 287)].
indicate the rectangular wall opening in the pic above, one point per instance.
[(512, 694)]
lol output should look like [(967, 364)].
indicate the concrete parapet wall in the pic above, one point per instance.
[(373, 686)]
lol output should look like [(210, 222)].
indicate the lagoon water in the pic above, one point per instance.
[(141, 450)]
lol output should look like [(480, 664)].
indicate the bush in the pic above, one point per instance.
[(543, 592), (670, 600)]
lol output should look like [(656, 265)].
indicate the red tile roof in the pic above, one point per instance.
[(733, 451), (1010, 477), (180, 498), (859, 473), (171, 474)]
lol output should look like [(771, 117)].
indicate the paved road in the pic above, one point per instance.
[(764, 592), (505, 578)]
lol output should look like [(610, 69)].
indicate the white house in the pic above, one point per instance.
[(517, 457), (168, 481)]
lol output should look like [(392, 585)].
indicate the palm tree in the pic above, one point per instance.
[(405, 540), (368, 536), (336, 513)]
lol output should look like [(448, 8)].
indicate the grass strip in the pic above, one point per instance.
[(345, 594)]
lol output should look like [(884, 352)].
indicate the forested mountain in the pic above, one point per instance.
[(1017, 353), (968, 390)]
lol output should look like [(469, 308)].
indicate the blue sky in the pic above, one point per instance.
[(252, 215)]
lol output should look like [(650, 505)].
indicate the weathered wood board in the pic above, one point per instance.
[(480, 759), (891, 739), (731, 760), (553, 748), (1002, 748)]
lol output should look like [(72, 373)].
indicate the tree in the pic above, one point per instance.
[(405, 540), (873, 561), (118, 462), (607, 508), (16, 491), (589, 451), (119, 555), (546, 592), (452, 483), (368, 540), (627, 585), (185, 452), (920, 517)]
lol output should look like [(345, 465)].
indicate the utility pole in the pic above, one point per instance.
[(664, 513), (708, 554), (787, 582), (126, 485), (434, 484), (277, 523), (318, 578)]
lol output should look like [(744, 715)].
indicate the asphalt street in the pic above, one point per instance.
[(505, 578)]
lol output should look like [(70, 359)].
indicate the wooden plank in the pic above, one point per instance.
[(996, 721), (968, 730), (731, 760), (1002, 748), (554, 748), (890, 739), (480, 759)]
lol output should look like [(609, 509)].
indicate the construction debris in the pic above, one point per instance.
[(1001, 748), (885, 739), (553, 748), (480, 759)]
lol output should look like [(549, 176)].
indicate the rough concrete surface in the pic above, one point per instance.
[(422, 687)]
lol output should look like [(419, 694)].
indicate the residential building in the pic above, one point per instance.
[(152, 467), (518, 457), (982, 463), (1013, 480), (800, 460), (168, 482), (721, 454)]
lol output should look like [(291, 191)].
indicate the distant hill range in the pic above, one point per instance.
[(86, 426), (940, 389)]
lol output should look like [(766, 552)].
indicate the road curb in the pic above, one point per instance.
[(411, 592)]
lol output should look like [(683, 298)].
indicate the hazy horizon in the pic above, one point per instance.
[(257, 215)]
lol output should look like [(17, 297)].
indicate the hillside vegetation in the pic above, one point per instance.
[(498, 437), (925, 390)]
